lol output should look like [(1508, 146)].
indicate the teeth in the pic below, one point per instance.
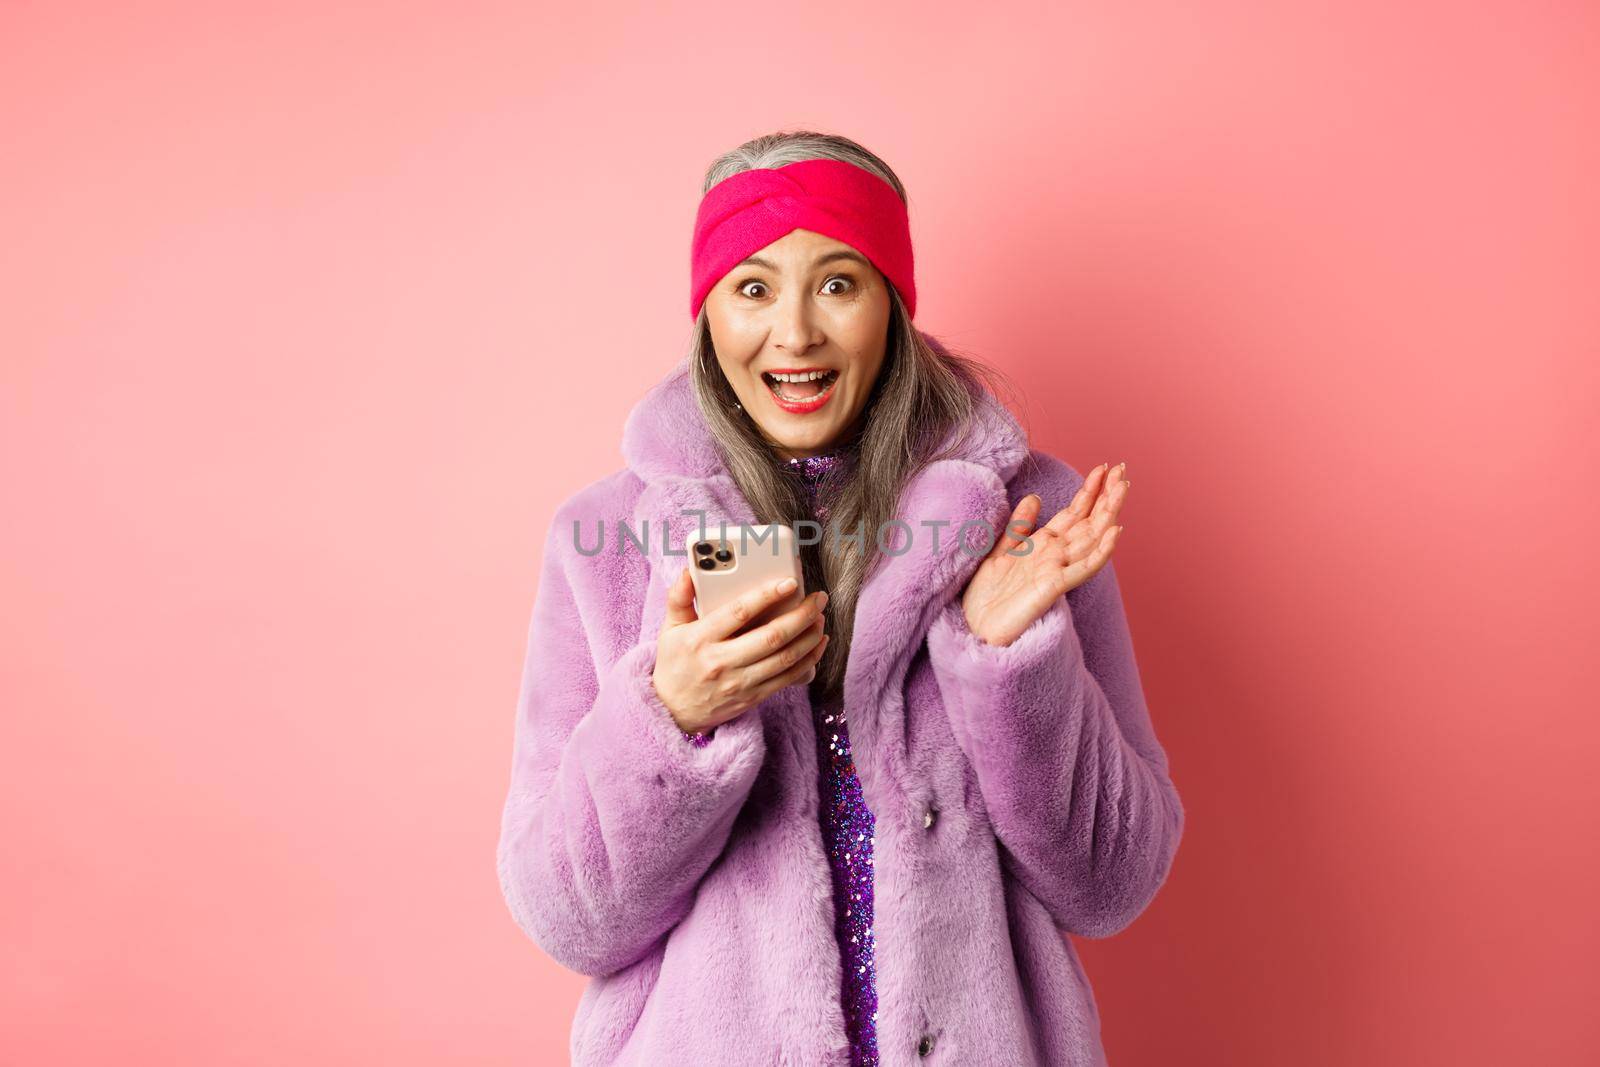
[(806, 377), (776, 382)]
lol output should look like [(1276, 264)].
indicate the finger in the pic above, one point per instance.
[(1110, 502), (773, 636), (737, 613), (680, 601), (800, 672), (1081, 503), (1019, 525), (1082, 570), (785, 658)]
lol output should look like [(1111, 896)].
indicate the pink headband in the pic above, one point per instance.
[(743, 214)]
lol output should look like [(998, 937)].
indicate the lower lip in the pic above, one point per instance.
[(802, 407)]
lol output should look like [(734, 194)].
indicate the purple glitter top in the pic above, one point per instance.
[(847, 831)]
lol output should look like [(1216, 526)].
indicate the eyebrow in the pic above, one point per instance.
[(826, 257)]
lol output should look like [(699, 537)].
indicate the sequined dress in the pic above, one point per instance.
[(847, 832)]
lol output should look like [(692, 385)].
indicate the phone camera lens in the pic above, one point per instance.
[(705, 563), (724, 555), (703, 548)]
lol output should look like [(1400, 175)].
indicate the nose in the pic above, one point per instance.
[(795, 329)]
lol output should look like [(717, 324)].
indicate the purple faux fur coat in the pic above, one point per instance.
[(1019, 791)]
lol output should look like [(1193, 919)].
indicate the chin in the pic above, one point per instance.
[(788, 441)]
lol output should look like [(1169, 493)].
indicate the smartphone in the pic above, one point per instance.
[(727, 564)]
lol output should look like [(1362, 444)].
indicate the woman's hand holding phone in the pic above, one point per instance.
[(707, 673)]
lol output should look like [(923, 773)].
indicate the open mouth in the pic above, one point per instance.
[(803, 387)]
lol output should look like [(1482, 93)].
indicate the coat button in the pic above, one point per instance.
[(925, 1046), (927, 818)]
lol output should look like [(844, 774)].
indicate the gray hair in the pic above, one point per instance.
[(923, 394)]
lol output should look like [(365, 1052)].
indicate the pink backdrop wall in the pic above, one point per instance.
[(310, 317)]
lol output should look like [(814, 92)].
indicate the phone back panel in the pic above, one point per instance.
[(757, 556)]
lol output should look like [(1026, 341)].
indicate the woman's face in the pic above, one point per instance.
[(803, 303)]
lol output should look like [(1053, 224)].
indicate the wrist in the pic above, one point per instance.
[(976, 629), (690, 726)]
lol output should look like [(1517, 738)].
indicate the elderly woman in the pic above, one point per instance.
[(853, 826)]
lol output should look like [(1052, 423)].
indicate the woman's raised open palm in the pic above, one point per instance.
[(1009, 591)]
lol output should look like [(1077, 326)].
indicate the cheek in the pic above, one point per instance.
[(864, 336), (733, 333), (864, 370)]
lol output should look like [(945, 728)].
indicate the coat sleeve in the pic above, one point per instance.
[(1060, 741), (613, 815)]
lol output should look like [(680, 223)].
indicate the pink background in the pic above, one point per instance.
[(310, 318)]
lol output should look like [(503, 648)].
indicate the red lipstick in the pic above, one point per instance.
[(809, 404)]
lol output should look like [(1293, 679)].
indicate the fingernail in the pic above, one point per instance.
[(787, 585), (822, 598)]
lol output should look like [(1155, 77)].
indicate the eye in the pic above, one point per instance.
[(743, 288)]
